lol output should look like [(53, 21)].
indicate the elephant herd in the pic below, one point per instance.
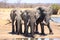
[(31, 18)]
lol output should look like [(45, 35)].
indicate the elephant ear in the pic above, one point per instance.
[(41, 9), (37, 14), (13, 11)]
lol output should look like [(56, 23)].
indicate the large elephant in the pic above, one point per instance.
[(30, 17), (15, 16), (25, 18), (32, 20), (18, 22), (12, 16), (45, 16)]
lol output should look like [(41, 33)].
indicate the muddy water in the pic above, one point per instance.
[(56, 19), (32, 39)]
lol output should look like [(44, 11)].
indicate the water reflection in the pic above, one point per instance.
[(56, 19), (33, 39)]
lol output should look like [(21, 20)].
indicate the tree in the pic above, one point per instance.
[(5, 2)]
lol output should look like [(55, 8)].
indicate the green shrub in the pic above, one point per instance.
[(55, 7)]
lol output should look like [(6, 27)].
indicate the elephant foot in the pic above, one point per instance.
[(24, 31), (17, 33), (43, 34), (20, 32), (51, 33), (29, 35), (26, 34), (13, 32), (36, 32), (32, 36)]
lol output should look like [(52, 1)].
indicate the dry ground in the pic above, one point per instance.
[(6, 29)]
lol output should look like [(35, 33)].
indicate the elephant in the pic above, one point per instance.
[(25, 18), (30, 17), (15, 16), (18, 22), (12, 17), (32, 21), (45, 16)]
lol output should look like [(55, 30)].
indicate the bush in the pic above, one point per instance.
[(55, 8)]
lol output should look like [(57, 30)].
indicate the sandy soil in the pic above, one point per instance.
[(5, 30)]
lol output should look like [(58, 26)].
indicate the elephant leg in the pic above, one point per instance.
[(50, 30), (16, 26), (32, 29), (42, 28), (20, 27), (48, 24), (36, 28), (26, 28), (13, 27)]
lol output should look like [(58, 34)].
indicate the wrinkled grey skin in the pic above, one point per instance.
[(18, 22), (25, 18), (29, 17), (15, 15), (44, 16), (32, 21), (12, 16)]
